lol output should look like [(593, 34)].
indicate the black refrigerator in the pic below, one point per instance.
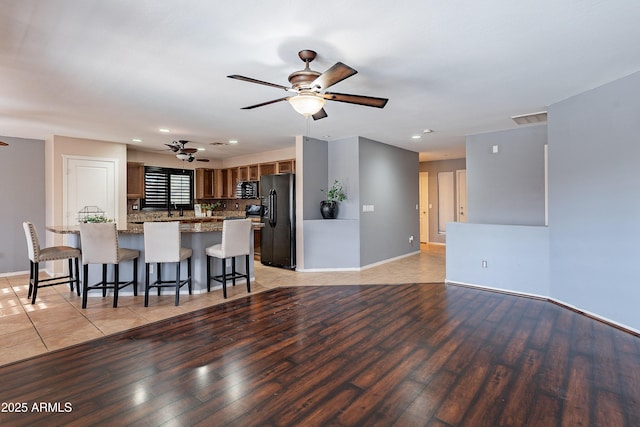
[(278, 236)]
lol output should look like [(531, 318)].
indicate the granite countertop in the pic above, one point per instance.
[(190, 227)]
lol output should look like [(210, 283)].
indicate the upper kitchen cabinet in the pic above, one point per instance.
[(135, 180), (286, 166), (266, 169), (205, 183), (253, 173)]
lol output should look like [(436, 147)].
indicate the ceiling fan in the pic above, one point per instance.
[(3, 144), (310, 88), (183, 153)]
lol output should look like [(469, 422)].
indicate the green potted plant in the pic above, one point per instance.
[(335, 194)]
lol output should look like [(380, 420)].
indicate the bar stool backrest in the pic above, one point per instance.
[(162, 241), (99, 243), (236, 237), (33, 245)]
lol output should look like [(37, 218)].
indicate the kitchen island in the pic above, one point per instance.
[(195, 235)]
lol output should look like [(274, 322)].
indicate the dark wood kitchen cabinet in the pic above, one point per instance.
[(205, 183), (135, 180)]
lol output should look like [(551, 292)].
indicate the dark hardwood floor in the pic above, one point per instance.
[(419, 354)]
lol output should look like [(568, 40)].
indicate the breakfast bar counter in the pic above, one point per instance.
[(195, 235)]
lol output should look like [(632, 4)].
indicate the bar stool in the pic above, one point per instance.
[(53, 253), (100, 246), (236, 241), (162, 244)]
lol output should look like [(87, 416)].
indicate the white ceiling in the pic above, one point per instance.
[(120, 69)]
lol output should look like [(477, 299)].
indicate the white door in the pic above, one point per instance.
[(424, 207), (461, 195), (89, 182), (445, 201)]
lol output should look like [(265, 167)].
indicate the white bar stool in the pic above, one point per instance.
[(53, 253), (100, 246), (236, 241), (162, 244)]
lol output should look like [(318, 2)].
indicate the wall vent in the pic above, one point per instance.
[(526, 119)]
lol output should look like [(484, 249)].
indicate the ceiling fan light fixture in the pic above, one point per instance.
[(307, 103), (183, 156)]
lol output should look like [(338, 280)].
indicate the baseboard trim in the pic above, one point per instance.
[(15, 273), (620, 326), (365, 267)]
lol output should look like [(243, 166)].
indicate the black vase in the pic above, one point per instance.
[(329, 210)]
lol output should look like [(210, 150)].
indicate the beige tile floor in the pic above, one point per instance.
[(57, 319)]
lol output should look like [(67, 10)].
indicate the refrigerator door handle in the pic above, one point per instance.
[(273, 206)]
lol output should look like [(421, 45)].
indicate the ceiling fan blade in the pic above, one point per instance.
[(173, 147), (189, 150), (202, 160), (333, 75), (3, 144), (265, 103), (260, 82), (368, 101), (320, 114)]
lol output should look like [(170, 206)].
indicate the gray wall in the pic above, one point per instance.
[(594, 178), (517, 257), (434, 168), (507, 187), (371, 173), (388, 180), (22, 192), (315, 160)]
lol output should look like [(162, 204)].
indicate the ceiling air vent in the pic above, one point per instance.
[(526, 119)]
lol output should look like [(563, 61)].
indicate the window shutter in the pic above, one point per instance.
[(164, 186)]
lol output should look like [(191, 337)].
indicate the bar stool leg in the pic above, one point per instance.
[(135, 277), (246, 269), (224, 277), (233, 271), (77, 270), (116, 279), (36, 278), (189, 274), (85, 290), (146, 284), (208, 273), (177, 282)]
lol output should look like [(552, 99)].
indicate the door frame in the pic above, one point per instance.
[(459, 172), (423, 197)]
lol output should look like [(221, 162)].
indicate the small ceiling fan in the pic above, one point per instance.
[(183, 153), (310, 88)]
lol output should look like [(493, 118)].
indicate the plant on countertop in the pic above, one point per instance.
[(336, 192)]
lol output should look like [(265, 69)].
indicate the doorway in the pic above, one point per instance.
[(461, 195), (424, 207)]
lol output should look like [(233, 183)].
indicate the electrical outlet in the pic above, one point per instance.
[(134, 207), (484, 263)]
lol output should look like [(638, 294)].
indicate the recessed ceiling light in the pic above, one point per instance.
[(136, 140), (164, 130), (428, 130), (200, 149), (233, 141), (416, 137)]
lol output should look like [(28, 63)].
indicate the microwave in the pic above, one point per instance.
[(247, 190)]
